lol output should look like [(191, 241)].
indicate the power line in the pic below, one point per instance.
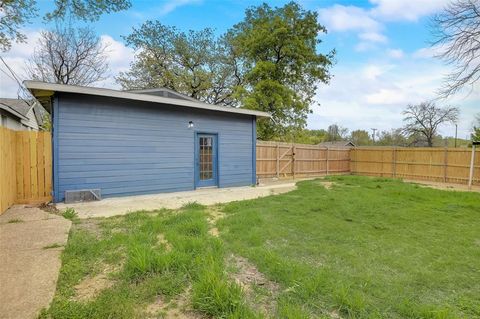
[(16, 79)]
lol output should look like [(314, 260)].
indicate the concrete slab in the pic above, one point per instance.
[(28, 270), (210, 196)]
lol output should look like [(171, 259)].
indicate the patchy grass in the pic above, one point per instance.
[(193, 260), (363, 248)]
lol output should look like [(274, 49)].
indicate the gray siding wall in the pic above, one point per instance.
[(132, 147)]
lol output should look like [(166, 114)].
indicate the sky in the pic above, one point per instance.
[(384, 59)]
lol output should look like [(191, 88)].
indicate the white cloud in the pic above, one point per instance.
[(395, 53), (386, 96), (171, 5), (155, 11), (119, 59), (339, 18), (401, 10), (374, 95), (373, 37), (368, 24), (16, 58), (347, 18)]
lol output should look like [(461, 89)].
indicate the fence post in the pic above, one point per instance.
[(293, 160), (394, 168), (326, 159), (472, 163), (445, 165), (278, 160)]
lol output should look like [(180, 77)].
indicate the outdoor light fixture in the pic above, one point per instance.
[(190, 124)]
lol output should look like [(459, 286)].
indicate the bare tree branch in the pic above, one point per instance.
[(457, 34), (68, 56)]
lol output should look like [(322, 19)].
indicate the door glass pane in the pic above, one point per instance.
[(206, 158)]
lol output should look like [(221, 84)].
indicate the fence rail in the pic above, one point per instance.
[(277, 159), (25, 167), (446, 165)]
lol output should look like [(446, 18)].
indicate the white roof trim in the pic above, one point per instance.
[(43, 86)]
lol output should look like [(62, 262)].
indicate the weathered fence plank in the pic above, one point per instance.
[(25, 167), (277, 159), (443, 165)]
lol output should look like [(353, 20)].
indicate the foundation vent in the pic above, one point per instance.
[(82, 195)]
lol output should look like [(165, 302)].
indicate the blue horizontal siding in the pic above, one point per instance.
[(131, 148)]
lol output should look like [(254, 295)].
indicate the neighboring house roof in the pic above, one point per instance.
[(44, 91), (6, 106), (337, 144), (31, 112)]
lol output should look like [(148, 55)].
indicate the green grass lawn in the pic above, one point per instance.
[(365, 248)]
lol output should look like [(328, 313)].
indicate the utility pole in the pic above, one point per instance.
[(456, 131), (373, 134)]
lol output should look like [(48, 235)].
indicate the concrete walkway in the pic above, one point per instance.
[(207, 196), (28, 269)]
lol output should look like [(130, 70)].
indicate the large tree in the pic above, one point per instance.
[(277, 48), (267, 62), (14, 14), (195, 63), (424, 119), (68, 56), (395, 137), (457, 34), (360, 138), (335, 133)]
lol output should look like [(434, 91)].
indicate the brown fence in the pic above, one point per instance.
[(25, 167), (446, 165), (276, 159)]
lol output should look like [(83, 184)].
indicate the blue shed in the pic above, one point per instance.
[(145, 142)]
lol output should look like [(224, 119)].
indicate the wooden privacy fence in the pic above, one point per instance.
[(277, 159), (446, 165), (25, 167)]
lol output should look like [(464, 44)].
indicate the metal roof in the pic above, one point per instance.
[(44, 91)]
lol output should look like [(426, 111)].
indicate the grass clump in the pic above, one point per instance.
[(215, 296), (14, 221), (55, 245), (70, 213)]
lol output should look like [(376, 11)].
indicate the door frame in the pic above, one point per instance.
[(196, 146)]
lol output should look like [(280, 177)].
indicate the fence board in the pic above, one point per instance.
[(25, 167), (446, 165), (277, 159)]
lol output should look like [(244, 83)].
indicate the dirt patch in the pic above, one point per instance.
[(162, 241), (214, 232), (444, 186), (261, 292), (178, 307), (50, 208), (91, 286), (326, 184), (90, 225), (215, 214)]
